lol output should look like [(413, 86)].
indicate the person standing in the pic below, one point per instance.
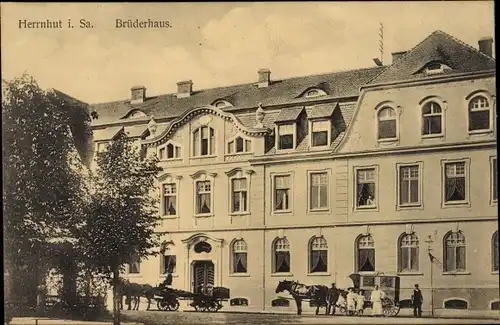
[(351, 301), (417, 299), (333, 296), (360, 302), (376, 299)]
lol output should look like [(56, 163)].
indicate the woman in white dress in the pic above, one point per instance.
[(376, 299)]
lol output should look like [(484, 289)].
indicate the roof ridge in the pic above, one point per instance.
[(453, 38), (405, 55), (252, 83)]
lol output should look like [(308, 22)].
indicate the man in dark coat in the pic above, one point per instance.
[(417, 299), (333, 295)]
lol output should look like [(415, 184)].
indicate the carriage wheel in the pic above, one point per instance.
[(394, 311), (213, 306), (174, 305), (162, 305), (196, 308)]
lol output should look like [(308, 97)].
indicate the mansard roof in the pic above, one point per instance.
[(437, 47), (342, 84)]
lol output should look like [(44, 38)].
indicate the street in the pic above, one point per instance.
[(192, 318)]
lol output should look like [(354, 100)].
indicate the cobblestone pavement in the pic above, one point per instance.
[(195, 318)]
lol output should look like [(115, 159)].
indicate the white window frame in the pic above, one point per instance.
[(129, 265), (309, 255), (465, 202), (492, 105), (328, 129), (396, 111), (356, 259), (445, 246), (232, 143), (239, 173), (223, 102), (493, 163), (203, 176), (375, 206), (400, 257), (294, 134), (319, 93), (444, 106), (101, 146), (231, 260), (290, 195), (164, 147), (212, 152), (412, 205), (169, 179), (310, 173)]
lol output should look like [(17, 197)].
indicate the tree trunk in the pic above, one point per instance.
[(116, 297)]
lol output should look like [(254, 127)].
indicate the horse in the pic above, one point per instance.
[(132, 293), (299, 292), (149, 293)]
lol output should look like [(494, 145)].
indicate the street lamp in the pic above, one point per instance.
[(429, 242)]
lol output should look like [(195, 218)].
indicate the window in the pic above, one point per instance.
[(408, 253), (495, 305), (479, 114), (282, 187), (366, 254), (169, 259), (281, 256), (454, 252), (318, 191), (320, 133), (494, 180), (134, 267), (202, 247), (101, 146), (432, 118), (312, 93), (239, 195), (455, 304), (204, 141), (494, 251), (239, 256), (286, 135), (239, 145), (203, 197), (365, 188), (409, 185), (455, 189), (169, 199), (318, 255), (170, 151), (280, 302), (387, 123), (238, 302)]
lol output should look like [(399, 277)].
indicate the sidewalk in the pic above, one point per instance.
[(52, 321)]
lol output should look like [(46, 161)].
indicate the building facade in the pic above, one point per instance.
[(383, 170)]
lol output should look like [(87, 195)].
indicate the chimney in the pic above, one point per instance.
[(264, 78), (138, 94), (486, 46), (397, 55), (184, 89)]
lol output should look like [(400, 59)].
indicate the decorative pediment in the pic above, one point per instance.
[(203, 110), (239, 172), (168, 178), (201, 237), (202, 175)]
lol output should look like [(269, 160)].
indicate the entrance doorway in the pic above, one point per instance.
[(203, 276)]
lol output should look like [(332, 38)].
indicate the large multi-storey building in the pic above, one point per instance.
[(314, 178)]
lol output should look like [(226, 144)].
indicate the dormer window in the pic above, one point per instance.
[(137, 114), (315, 92), (320, 133), (170, 151), (436, 67), (286, 135), (239, 145), (204, 141)]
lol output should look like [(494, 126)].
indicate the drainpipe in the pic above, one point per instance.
[(264, 244)]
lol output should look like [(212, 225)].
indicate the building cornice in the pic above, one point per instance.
[(310, 156)]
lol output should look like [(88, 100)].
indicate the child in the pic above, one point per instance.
[(360, 302), (351, 301)]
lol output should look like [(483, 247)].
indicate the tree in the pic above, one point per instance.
[(122, 213), (43, 183)]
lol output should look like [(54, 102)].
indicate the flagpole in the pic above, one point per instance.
[(429, 242)]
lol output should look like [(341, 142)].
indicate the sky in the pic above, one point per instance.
[(217, 44)]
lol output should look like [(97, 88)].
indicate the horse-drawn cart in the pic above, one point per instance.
[(168, 299), (388, 284)]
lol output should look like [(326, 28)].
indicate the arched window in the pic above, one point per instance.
[(204, 141), (239, 249), (318, 255), (454, 252), (494, 250), (365, 254), (169, 259), (239, 145), (479, 114), (170, 151), (456, 304), (202, 247), (432, 119), (387, 123), (281, 255), (408, 253)]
